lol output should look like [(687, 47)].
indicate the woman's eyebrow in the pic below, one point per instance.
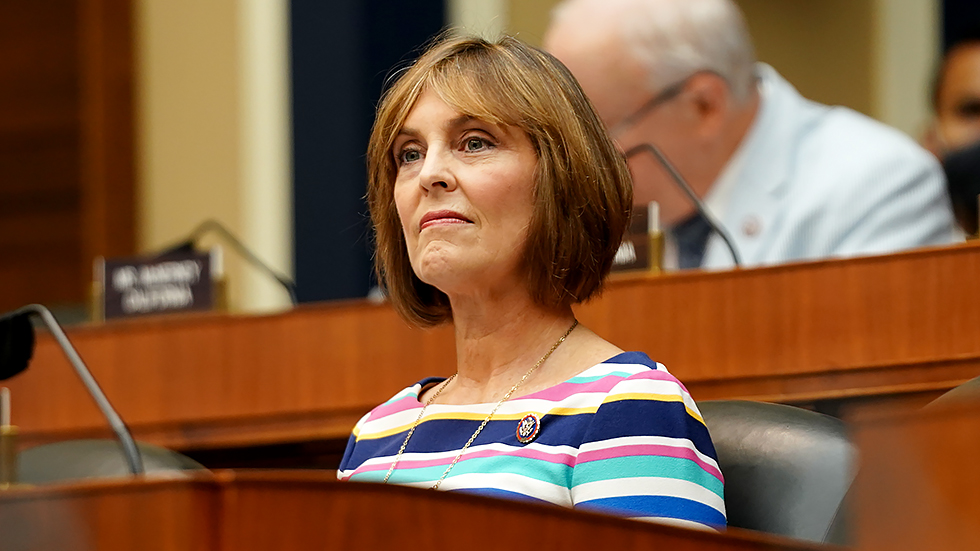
[(451, 124), (456, 122), (410, 132)]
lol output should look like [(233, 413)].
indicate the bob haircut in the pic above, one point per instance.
[(583, 193)]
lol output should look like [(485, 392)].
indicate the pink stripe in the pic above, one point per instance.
[(649, 449), (398, 406), (557, 458), (564, 390)]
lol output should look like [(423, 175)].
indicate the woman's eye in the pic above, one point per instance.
[(409, 156), (475, 144)]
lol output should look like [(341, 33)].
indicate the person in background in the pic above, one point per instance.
[(788, 178), (956, 124), (498, 202)]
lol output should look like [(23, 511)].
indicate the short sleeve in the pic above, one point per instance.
[(648, 455)]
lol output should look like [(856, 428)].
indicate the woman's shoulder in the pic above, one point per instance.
[(634, 376), (626, 365), (405, 400)]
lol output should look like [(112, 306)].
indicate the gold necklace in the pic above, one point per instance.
[(485, 421)]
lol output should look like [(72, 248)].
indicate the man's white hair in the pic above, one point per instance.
[(675, 38)]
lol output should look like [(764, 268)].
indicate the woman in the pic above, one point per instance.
[(499, 201)]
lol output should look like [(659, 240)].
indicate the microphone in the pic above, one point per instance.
[(686, 188), (16, 344), (17, 347), (210, 225)]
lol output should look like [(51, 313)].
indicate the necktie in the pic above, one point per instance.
[(691, 237)]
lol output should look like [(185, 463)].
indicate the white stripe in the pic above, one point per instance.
[(648, 386), (654, 386), (402, 419), (647, 486), (498, 448), (552, 493), (646, 441)]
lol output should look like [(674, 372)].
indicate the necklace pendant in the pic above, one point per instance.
[(528, 428)]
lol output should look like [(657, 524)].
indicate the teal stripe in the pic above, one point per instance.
[(580, 380), (537, 469), (410, 391), (647, 466)]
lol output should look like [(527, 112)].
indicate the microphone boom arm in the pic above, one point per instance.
[(133, 457), (702, 209)]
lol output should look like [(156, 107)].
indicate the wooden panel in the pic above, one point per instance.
[(873, 312), (66, 145), (902, 328), (160, 515), (108, 152), (918, 488), (306, 511)]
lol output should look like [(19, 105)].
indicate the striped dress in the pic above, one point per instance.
[(622, 437)]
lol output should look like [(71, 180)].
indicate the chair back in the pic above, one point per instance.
[(787, 470)]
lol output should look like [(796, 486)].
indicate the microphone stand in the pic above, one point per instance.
[(212, 225), (686, 188), (132, 453)]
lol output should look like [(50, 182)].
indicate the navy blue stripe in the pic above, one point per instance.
[(632, 358), (656, 506), (348, 452), (623, 418)]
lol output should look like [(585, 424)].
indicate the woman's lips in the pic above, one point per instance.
[(441, 217)]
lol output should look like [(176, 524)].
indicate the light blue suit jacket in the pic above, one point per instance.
[(819, 181)]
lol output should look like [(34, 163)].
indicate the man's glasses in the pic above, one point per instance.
[(661, 98)]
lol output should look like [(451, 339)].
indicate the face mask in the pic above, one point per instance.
[(962, 167)]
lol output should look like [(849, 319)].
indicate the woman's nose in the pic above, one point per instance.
[(437, 172)]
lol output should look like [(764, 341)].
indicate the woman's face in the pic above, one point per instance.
[(464, 191)]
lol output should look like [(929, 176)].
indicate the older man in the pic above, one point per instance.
[(790, 179)]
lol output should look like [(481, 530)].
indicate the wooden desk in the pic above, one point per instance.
[(306, 511), (918, 487), (857, 329)]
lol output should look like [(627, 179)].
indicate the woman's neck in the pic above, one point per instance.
[(498, 341)]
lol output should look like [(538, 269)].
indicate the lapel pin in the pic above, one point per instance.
[(527, 428)]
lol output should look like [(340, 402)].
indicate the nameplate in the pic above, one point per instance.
[(179, 282)]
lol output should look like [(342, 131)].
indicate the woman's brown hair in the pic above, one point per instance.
[(583, 194)]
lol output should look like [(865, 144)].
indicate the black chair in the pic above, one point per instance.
[(964, 393), (787, 470), (79, 459)]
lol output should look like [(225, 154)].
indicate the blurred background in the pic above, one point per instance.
[(126, 123)]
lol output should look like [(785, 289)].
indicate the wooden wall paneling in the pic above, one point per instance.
[(39, 187), (108, 152), (183, 381), (799, 320), (839, 331), (66, 145)]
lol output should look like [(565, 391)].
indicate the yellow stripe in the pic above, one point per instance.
[(658, 397)]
